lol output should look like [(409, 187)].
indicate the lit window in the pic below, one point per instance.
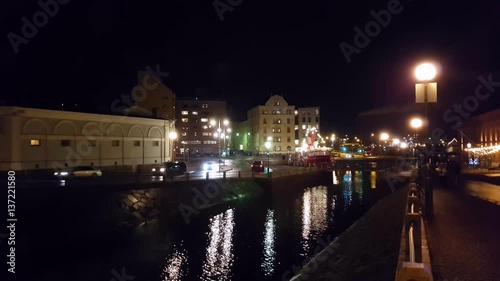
[(137, 143), (277, 103), (194, 112), (205, 127), (317, 112), (35, 142), (184, 134), (303, 127), (65, 143), (185, 120), (156, 143), (205, 105), (204, 120), (195, 134), (115, 143), (184, 112), (205, 134)]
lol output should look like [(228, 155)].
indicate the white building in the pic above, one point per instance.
[(49, 139), (273, 122)]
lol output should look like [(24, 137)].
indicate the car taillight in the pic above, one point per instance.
[(261, 165)]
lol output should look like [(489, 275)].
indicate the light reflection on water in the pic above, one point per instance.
[(373, 179), (347, 188), (314, 214), (269, 252), (176, 266), (219, 257), (314, 209)]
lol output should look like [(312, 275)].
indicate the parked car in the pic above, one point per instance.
[(257, 166), (79, 172), (171, 168)]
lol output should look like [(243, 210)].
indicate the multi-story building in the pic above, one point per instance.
[(480, 138), (152, 98), (306, 118), (203, 126), (273, 123), (51, 139)]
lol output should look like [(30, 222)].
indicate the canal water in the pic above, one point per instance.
[(265, 238), (261, 238)]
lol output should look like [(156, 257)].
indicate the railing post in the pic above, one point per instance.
[(224, 175), (207, 176), (239, 174), (187, 176)]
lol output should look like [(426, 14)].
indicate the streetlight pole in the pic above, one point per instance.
[(426, 73), (268, 146)]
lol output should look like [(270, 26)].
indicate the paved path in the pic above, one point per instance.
[(464, 237)]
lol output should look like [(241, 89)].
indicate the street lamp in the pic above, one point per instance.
[(383, 137), (416, 123), (426, 92), (268, 146), (469, 145), (172, 136)]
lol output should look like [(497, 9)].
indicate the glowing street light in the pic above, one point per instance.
[(416, 123), (425, 72), (384, 136)]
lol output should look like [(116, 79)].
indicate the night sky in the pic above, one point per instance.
[(89, 53)]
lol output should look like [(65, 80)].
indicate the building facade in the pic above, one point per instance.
[(480, 139), (50, 139), (153, 97), (203, 127), (273, 123), (306, 118)]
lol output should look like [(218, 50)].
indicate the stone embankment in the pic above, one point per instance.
[(367, 251)]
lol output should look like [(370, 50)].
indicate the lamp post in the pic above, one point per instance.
[(268, 146), (426, 92), (415, 123), (383, 137), (172, 136), (469, 145)]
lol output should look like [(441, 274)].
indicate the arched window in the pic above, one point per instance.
[(264, 121)]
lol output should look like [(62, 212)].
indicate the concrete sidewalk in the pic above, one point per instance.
[(464, 237)]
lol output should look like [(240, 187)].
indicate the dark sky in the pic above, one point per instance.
[(90, 52)]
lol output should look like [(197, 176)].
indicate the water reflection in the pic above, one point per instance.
[(269, 239), (373, 179), (219, 258), (358, 184), (176, 266), (347, 189), (335, 179), (314, 214)]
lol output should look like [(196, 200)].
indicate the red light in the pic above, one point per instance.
[(261, 165)]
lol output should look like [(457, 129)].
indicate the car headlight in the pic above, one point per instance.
[(162, 170), (154, 169), (56, 173), (64, 173)]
